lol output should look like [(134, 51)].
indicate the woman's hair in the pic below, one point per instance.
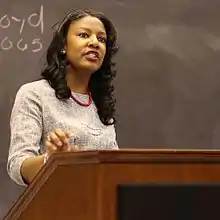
[(100, 84)]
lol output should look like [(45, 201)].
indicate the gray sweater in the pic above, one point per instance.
[(37, 111)]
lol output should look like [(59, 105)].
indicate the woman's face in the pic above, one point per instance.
[(86, 44)]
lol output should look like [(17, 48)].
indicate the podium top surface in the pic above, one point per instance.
[(136, 155)]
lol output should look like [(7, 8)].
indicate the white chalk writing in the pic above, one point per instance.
[(34, 20)]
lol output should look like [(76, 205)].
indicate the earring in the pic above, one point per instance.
[(63, 51)]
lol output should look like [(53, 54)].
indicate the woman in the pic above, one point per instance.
[(74, 98)]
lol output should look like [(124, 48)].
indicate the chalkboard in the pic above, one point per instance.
[(168, 79)]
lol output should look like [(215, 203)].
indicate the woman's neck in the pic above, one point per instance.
[(78, 82)]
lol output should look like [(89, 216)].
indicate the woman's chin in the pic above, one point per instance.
[(91, 67)]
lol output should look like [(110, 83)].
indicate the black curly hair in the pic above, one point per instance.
[(100, 85)]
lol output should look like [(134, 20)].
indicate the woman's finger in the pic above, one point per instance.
[(74, 148), (62, 136), (69, 134), (50, 148), (54, 138)]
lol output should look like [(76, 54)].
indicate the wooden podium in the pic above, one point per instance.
[(82, 185)]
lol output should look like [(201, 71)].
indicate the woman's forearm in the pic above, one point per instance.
[(30, 167)]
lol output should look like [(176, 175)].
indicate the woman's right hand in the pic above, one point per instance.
[(57, 141)]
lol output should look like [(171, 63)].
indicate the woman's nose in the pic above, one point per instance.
[(93, 42)]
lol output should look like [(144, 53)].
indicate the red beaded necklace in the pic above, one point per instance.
[(81, 103)]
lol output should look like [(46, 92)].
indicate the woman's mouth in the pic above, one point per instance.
[(92, 55)]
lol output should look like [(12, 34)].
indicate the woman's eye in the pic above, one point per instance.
[(102, 39), (83, 35)]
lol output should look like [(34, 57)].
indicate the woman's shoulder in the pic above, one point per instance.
[(38, 85), (38, 88), (33, 93)]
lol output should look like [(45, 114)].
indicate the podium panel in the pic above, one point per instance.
[(83, 185)]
